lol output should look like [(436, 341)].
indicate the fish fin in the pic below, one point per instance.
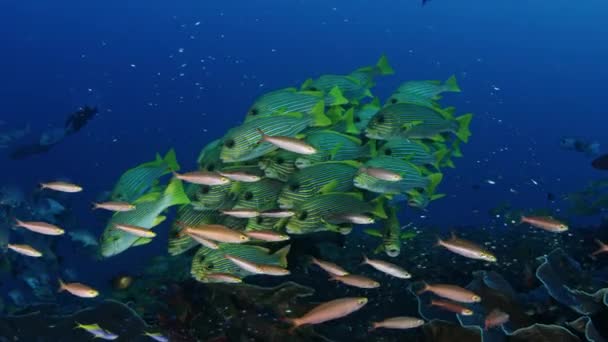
[(337, 97), (61, 286), (141, 241), (365, 260), (384, 67), (307, 84), (373, 232), (329, 187), (171, 160), (438, 138), (335, 150), (175, 194), (282, 255), (368, 93), (372, 145), (318, 114), (408, 235), (349, 119), (448, 113), (149, 197), (456, 152), (437, 196), (452, 85), (379, 207), (438, 242), (335, 113), (603, 248), (440, 155), (158, 220), (434, 181), (463, 132)]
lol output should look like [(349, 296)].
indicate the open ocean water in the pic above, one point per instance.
[(303, 171)]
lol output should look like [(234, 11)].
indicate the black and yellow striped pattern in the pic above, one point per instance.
[(310, 215), (208, 260), (279, 164), (260, 195), (406, 120), (413, 151), (243, 142), (332, 145), (309, 181), (412, 177), (282, 101), (351, 87)]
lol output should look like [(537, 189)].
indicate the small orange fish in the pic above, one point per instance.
[(495, 318), (328, 311), (25, 250), (135, 230), (452, 307), (356, 281), (382, 174), (78, 289), (453, 292), (267, 235), (61, 186), (40, 227), (329, 267), (398, 323), (214, 232), (239, 176), (547, 223), (222, 278)]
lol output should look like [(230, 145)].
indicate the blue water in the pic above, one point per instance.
[(179, 74)]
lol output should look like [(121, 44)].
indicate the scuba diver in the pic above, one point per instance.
[(74, 123)]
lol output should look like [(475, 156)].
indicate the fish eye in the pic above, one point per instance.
[(294, 187), (280, 160), (393, 101), (388, 151), (476, 298), (303, 215), (312, 88), (357, 119), (259, 220), (205, 189), (248, 196), (362, 301), (380, 119), (467, 312), (210, 266), (210, 167), (229, 143), (254, 111)]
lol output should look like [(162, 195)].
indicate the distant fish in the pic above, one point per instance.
[(114, 206), (241, 213), (122, 282), (78, 289), (135, 230), (398, 323), (329, 267), (277, 213), (600, 163), (252, 267), (61, 187), (25, 250), (214, 232), (84, 237), (387, 267), (350, 218), (452, 292), (547, 223), (452, 307), (40, 227), (603, 248), (591, 148), (382, 174), (495, 318), (267, 235), (356, 281), (466, 248), (223, 278), (97, 331)]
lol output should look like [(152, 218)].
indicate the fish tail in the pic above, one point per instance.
[(318, 115), (282, 255), (383, 67), (61, 285), (18, 222), (263, 138), (365, 260), (438, 242), (349, 120), (41, 186), (94, 206), (464, 132), (373, 327), (423, 289), (603, 248)]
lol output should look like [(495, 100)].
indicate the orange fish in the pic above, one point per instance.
[(78, 289), (356, 281), (603, 248), (328, 311), (40, 227), (452, 307), (25, 250), (214, 232), (453, 292), (547, 223), (114, 206), (202, 178), (495, 318), (329, 267)]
